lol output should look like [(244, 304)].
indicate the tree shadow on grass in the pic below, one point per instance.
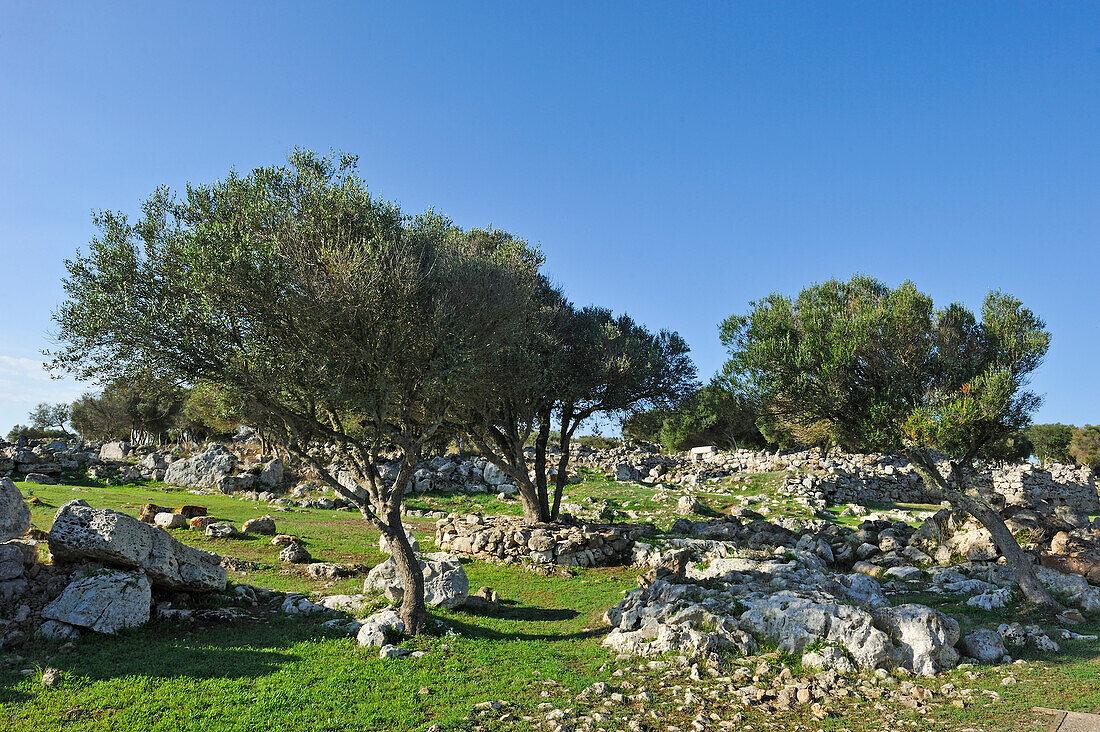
[(243, 650)]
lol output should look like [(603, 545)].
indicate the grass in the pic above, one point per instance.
[(290, 673)]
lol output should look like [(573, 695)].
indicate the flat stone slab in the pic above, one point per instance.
[(1070, 721)]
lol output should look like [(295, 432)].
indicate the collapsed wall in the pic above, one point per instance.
[(845, 477)]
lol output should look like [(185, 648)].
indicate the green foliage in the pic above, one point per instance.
[(711, 415), (1050, 442), (34, 433), (138, 404), (53, 417), (882, 369), (1084, 447)]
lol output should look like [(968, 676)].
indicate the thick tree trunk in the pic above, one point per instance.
[(413, 611), (991, 520), (563, 464)]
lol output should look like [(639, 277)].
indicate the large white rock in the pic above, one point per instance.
[(374, 629), (204, 470), (984, 645), (81, 532), (117, 450), (272, 473), (445, 581), (105, 602), (15, 515), (925, 639), (494, 475), (795, 621)]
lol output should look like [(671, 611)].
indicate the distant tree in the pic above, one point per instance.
[(101, 417), (340, 319), (210, 412), (645, 425), (577, 365), (887, 371), (712, 415), (1084, 446), (34, 433), (47, 416), (141, 407), (1050, 442)]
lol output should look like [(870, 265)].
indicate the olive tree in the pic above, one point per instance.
[(46, 416), (339, 319), (577, 365), (883, 369)]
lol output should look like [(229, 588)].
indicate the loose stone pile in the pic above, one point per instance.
[(510, 540)]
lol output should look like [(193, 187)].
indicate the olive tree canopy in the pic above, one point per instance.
[(338, 318), (884, 370)]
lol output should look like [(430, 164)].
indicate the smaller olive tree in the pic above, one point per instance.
[(1050, 442), (882, 369), (338, 319), (577, 364), (47, 416)]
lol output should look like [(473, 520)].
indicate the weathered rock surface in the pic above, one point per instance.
[(15, 515), (208, 469), (925, 638), (374, 629), (264, 525), (81, 532), (984, 646), (106, 601), (445, 581)]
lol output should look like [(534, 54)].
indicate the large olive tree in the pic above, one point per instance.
[(338, 318), (883, 369)]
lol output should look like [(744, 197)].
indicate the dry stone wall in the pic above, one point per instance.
[(510, 540)]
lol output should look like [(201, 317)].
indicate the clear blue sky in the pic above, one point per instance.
[(674, 161)]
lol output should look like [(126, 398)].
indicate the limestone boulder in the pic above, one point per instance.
[(106, 601), (494, 475), (81, 532), (170, 521), (116, 450), (794, 620), (445, 581), (264, 525), (374, 629), (924, 638), (208, 469), (15, 558), (15, 515), (984, 646)]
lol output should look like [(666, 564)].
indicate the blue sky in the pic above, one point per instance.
[(675, 161)]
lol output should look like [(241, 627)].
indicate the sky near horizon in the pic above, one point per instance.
[(674, 161)]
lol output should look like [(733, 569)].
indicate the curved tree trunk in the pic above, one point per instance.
[(991, 520), (413, 611)]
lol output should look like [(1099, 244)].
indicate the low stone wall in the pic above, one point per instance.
[(844, 477), (510, 540)]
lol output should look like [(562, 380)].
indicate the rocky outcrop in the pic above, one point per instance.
[(796, 604), (81, 533), (445, 581), (106, 602), (211, 468), (15, 515)]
